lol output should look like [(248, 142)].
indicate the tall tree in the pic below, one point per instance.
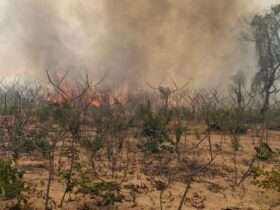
[(266, 34)]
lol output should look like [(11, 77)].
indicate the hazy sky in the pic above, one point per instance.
[(84, 33)]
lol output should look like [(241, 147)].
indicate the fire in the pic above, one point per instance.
[(107, 97), (95, 103), (62, 91), (97, 98), (54, 98)]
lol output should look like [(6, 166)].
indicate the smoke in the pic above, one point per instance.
[(183, 40), (129, 41), (42, 36)]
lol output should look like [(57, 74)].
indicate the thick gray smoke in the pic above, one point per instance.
[(182, 39), (132, 41)]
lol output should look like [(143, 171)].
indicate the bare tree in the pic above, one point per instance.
[(75, 104), (166, 92), (239, 92)]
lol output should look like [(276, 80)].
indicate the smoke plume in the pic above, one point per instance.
[(129, 41)]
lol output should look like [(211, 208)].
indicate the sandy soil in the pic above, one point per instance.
[(214, 190)]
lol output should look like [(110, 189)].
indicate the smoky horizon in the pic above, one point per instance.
[(130, 42)]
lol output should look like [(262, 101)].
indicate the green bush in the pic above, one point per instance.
[(58, 112), (267, 179), (155, 127), (11, 183), (93, 144), (35, 141), (152, 147), (109, 192), (264, 152)]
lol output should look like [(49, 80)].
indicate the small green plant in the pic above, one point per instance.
[(234, 122), (267, 179), (264, 152), (11, 183), (93, 144), (152, 147), (235, 143), (179, 131), (109, 192), (155, 127), (36, 141)]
